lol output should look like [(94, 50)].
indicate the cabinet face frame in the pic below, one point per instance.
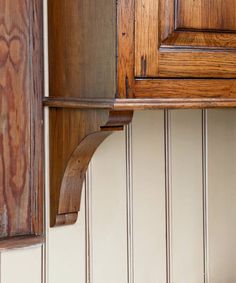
[(138, 79)]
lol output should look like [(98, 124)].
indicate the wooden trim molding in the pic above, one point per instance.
[(21, 242), (151, 103)]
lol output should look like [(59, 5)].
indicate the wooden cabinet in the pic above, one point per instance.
[(108, 58), (21, 142), (185, 39)]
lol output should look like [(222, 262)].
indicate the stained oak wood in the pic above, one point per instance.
[(146, 30), (21, 182), (21, 242), (125, 48), (174, 26), (204, 89), (200, 40), (75, 134), (206, 14), (108, 58), (84, 67), (196, 64), (82, 48), (149, 95)]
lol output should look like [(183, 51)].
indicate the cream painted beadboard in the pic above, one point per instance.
[(158, 206), (22, 266)]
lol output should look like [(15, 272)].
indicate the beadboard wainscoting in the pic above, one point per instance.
[(164, 210)]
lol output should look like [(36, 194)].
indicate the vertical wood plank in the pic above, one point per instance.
[(86, 65), (146, 37), (125, 47), (187, 208), (222, 195), (109, 211), (149, 197), (20, 118), (21, 266)]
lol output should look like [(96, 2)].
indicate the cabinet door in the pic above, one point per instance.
[(185, 38), (20, 120)]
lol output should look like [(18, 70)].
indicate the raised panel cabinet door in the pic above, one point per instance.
[(185, 38)]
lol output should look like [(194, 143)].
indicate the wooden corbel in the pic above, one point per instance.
[(75, 134)]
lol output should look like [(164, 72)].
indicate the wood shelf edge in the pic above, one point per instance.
[(133, 104), (21, 242)]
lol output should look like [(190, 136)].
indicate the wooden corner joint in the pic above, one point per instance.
[(75, 134)]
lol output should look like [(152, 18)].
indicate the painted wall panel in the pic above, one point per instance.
[(222, 195), (109, 212), (149, 197), (66, 251), (124, 195), (21, 266), (187, 215)]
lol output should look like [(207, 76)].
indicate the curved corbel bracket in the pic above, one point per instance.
[(75, 134)]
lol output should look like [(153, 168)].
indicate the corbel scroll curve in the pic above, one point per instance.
[(72, 181), (65, 193)]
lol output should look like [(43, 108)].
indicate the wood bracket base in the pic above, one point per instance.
[(74, 136)]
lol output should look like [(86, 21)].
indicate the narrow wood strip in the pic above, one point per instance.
[(21, 242), (70, 102), (196, 63), (186, 88), (146, 37), (206, 40), (37, 149), (175, 104), (145, 103), (125, 64)]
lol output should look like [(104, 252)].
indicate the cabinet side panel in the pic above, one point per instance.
[(20, 117), (82, 48)]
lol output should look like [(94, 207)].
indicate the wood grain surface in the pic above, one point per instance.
[(82, 48), (200, 40), (146, 31), (126, 50), (75, 134), (20, 117), (154, 65), (206, 14), (164, 31)]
